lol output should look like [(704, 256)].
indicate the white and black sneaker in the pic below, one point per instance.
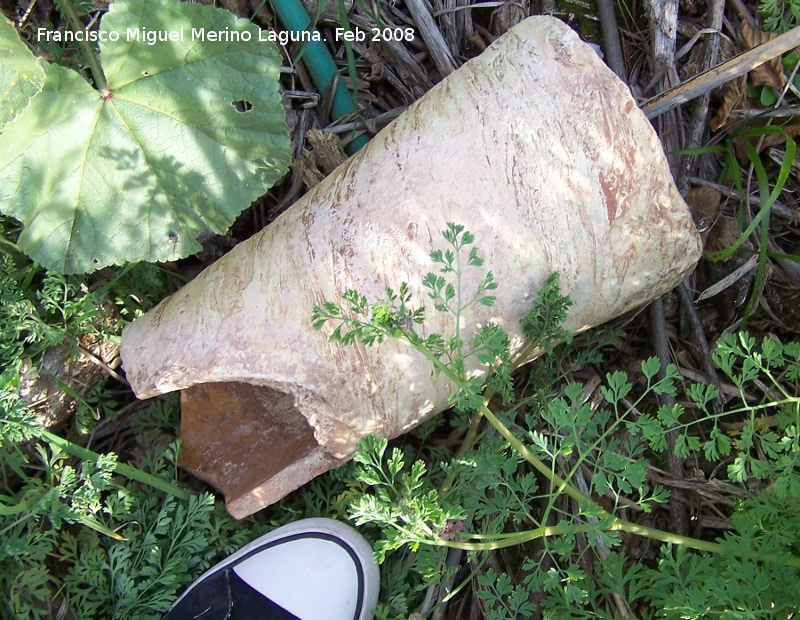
[(314, 569)]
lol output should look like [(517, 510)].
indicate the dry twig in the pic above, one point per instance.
[(727, 71), (437, 47)]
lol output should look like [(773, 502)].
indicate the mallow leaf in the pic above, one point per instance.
[(186, 135), (21, 73)]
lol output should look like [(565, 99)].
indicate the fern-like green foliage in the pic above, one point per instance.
[(21, 326), (137, 548), (77, 539), (63, 310), (779, 15), (557, 477), (395, 317)]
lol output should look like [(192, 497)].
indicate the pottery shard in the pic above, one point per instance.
[(535, 147)]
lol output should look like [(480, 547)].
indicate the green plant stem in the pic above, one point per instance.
[(466, 445), (619, 525), (459, 307), (561, 484), (71, 14), (129, 472), (10, 508), (529, 456), (12, 249), (616, 524)]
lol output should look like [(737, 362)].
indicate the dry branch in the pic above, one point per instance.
[(727, 71)]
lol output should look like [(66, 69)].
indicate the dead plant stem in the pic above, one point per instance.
[(708, 80)]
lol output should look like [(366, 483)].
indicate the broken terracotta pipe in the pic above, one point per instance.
[(535, 147)]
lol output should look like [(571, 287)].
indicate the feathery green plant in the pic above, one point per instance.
[(143, 539), (779, 15), (558, 474), (81, 532)]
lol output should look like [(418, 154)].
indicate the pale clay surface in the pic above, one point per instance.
[(535, 147)]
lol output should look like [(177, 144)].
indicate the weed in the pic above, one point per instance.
[(779, 15), (757, 227), (82, 533), (550, 485), (139, 547)]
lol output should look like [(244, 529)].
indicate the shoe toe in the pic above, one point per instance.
[(316, 574)]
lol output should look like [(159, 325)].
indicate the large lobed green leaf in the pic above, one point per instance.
[(21, 73), (137, 171)]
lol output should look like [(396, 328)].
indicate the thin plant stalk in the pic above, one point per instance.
[(71, 14)]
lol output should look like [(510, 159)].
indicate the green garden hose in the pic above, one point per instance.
[(320, 65)]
